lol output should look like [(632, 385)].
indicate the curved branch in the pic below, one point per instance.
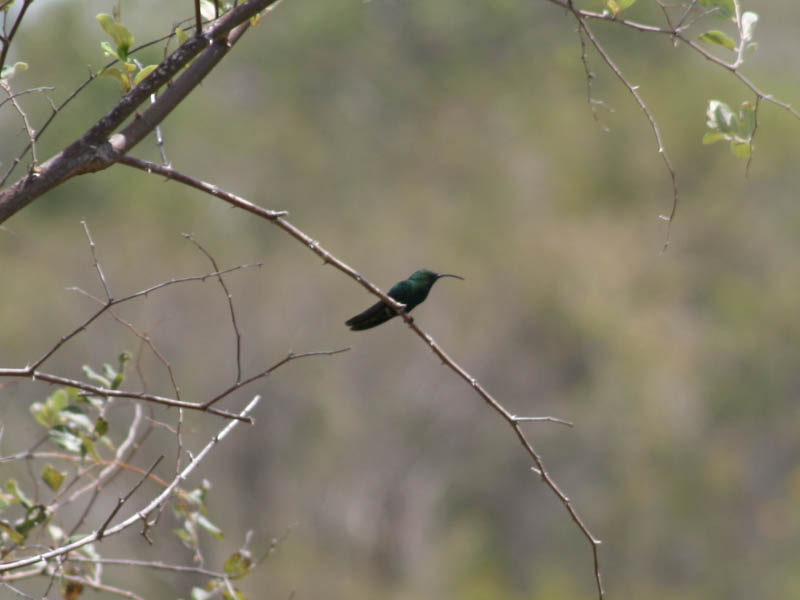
[(277, 218)]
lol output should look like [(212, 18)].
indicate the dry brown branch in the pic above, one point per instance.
[(277, 218), (229, 299)]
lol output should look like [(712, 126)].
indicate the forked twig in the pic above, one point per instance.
[(277, 218), (229, 298)]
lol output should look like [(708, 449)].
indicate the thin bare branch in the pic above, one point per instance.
[(109, 472), (114, 301), (229, 298), (108, 392), (145, 340), (752, 137), (11, 588), (25, 92), (593, 103), (123, 499), (634, 91), (290, 357), (102, 587), (97, 266), (277, 218), (198, 18), (28, 129), (544, 419), (129, 562)]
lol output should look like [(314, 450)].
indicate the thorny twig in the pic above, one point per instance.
[(229, 298), (277, 218)]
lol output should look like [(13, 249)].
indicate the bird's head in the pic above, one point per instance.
[(428, 277)]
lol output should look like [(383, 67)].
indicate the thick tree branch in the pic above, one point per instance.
[(94, 151)]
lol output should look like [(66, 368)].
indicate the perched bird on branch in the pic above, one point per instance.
[(411, 291)]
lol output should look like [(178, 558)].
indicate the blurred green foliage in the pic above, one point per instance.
[(454, 136)]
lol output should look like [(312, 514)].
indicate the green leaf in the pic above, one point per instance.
[(106, 22), (52, 477), (209, 527), (181, 35), (722, 8), (13, 488), (43, 413), (747, 120), (73, 415), (59, 399), (87, 447), (720, 117), (33, 516), (720, 39), (617, 6), (121, 35), (139, 77), (740, 149), (87, 370), (5, 501), (100, 427), (749, 20), (712, 137), (15, 536), (185, 537), (207, 10), (237, 565), (10, 70), (109, 372), (56, 533), (7, 6), (109, 51), (201, 594), (237, 595), (63, 436)]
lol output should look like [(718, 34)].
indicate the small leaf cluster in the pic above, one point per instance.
[(735, 128), (10, 70), (67, 412), (130, 74), (190, 508), (723, 122), (74, 422), (17, 532), (617, 6), (236, 566), (745, 25)]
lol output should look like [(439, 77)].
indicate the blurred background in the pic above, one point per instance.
[(454, 136)]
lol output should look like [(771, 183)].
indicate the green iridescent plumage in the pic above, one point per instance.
[(411, 291)]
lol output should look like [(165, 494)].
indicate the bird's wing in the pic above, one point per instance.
[(375, 315)]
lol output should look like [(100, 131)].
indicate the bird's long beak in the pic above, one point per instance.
[(449, 275)]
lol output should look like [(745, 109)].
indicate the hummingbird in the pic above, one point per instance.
[(411, 291)]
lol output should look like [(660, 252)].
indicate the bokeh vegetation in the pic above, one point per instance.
[(454, 136)]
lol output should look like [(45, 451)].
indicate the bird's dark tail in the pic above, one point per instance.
[(375, 315)]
